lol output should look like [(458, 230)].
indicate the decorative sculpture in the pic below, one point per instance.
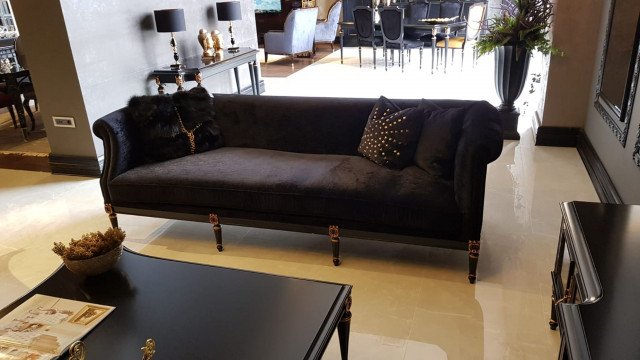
[(149, 349), (218, 43), (207, 43)]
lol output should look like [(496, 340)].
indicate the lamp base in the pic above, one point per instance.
[(175, 66), (234, 49)]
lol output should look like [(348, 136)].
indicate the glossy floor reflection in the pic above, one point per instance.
[(409, 302)]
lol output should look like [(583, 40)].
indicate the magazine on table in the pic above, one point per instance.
[(43, 327)]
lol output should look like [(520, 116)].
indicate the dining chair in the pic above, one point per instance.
[(476, 17), (416, 11), (29, 93), (326, 30), (363, 18), (450, 8), (392, 24), (6, 101)]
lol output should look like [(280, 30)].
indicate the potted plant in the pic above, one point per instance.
[(520, 29), (92, 254)]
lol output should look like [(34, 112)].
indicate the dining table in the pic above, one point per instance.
[(435, 27)]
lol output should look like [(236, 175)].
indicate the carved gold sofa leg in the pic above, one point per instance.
[(113, 218), (217, 230), (334, 234), (474, 253)]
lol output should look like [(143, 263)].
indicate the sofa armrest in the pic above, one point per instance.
[(120, 147), (480, 144)]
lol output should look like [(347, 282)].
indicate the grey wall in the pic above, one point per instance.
[(617, 160), (89, 57)]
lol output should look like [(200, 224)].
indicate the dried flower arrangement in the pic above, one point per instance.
[(90, 245)]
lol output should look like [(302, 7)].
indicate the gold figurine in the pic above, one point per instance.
[(148, 349), (218, 43), (207, 43)]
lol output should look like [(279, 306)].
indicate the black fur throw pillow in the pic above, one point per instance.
[(173, 126)]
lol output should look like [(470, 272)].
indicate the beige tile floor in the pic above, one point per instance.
[(410, 302)]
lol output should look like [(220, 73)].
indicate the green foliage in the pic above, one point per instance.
[(524, 24)]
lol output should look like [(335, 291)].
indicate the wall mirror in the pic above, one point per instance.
[(619, 67)]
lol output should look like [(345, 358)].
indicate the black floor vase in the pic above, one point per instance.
[(510, 76)]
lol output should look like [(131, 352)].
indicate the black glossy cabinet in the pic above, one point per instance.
[(596, 282)]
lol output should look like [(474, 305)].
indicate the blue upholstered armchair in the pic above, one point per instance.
[(326, 30), (297, 36)]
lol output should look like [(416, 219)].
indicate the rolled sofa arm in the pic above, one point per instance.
[(120, 147), (480, 144)]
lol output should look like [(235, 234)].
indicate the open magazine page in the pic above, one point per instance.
[(43, 327)]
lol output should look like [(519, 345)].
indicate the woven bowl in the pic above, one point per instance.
[(95, 265)]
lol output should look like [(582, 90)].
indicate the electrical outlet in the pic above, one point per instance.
[(64, 121)]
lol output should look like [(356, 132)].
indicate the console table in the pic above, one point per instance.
[(197, 69), (197, 311), (595, 282)]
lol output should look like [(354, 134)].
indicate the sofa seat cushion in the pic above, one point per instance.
[(313, 185)]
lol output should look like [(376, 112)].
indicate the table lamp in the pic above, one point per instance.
[(229, 11), (170, 20)]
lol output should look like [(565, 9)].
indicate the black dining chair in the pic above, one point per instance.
[(25, 87), (6, 101), (363, 18), (392, 23), (450, 8), (29, 94), (414, 12)]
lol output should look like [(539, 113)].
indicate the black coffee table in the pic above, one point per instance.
[(205, 312)]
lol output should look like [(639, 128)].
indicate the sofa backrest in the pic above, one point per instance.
[(317, 125)]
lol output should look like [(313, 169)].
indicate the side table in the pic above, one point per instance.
[(196, 69), (595, 292)]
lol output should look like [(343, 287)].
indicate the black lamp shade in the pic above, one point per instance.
[(229, 11), (169, 20)]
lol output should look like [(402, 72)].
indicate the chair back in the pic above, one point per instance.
[(326, 30), (450, 9), (416, 11), (300, 29), (333, 16), (364, 23), (477, 13), (391, 20)]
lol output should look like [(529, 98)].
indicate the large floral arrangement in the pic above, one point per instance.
[(524, 24)]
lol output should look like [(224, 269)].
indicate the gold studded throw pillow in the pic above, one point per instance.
[(391, 135)]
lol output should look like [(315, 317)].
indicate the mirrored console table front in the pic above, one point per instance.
[(596, 280)]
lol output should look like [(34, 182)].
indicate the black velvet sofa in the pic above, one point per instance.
[(291, 163)]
